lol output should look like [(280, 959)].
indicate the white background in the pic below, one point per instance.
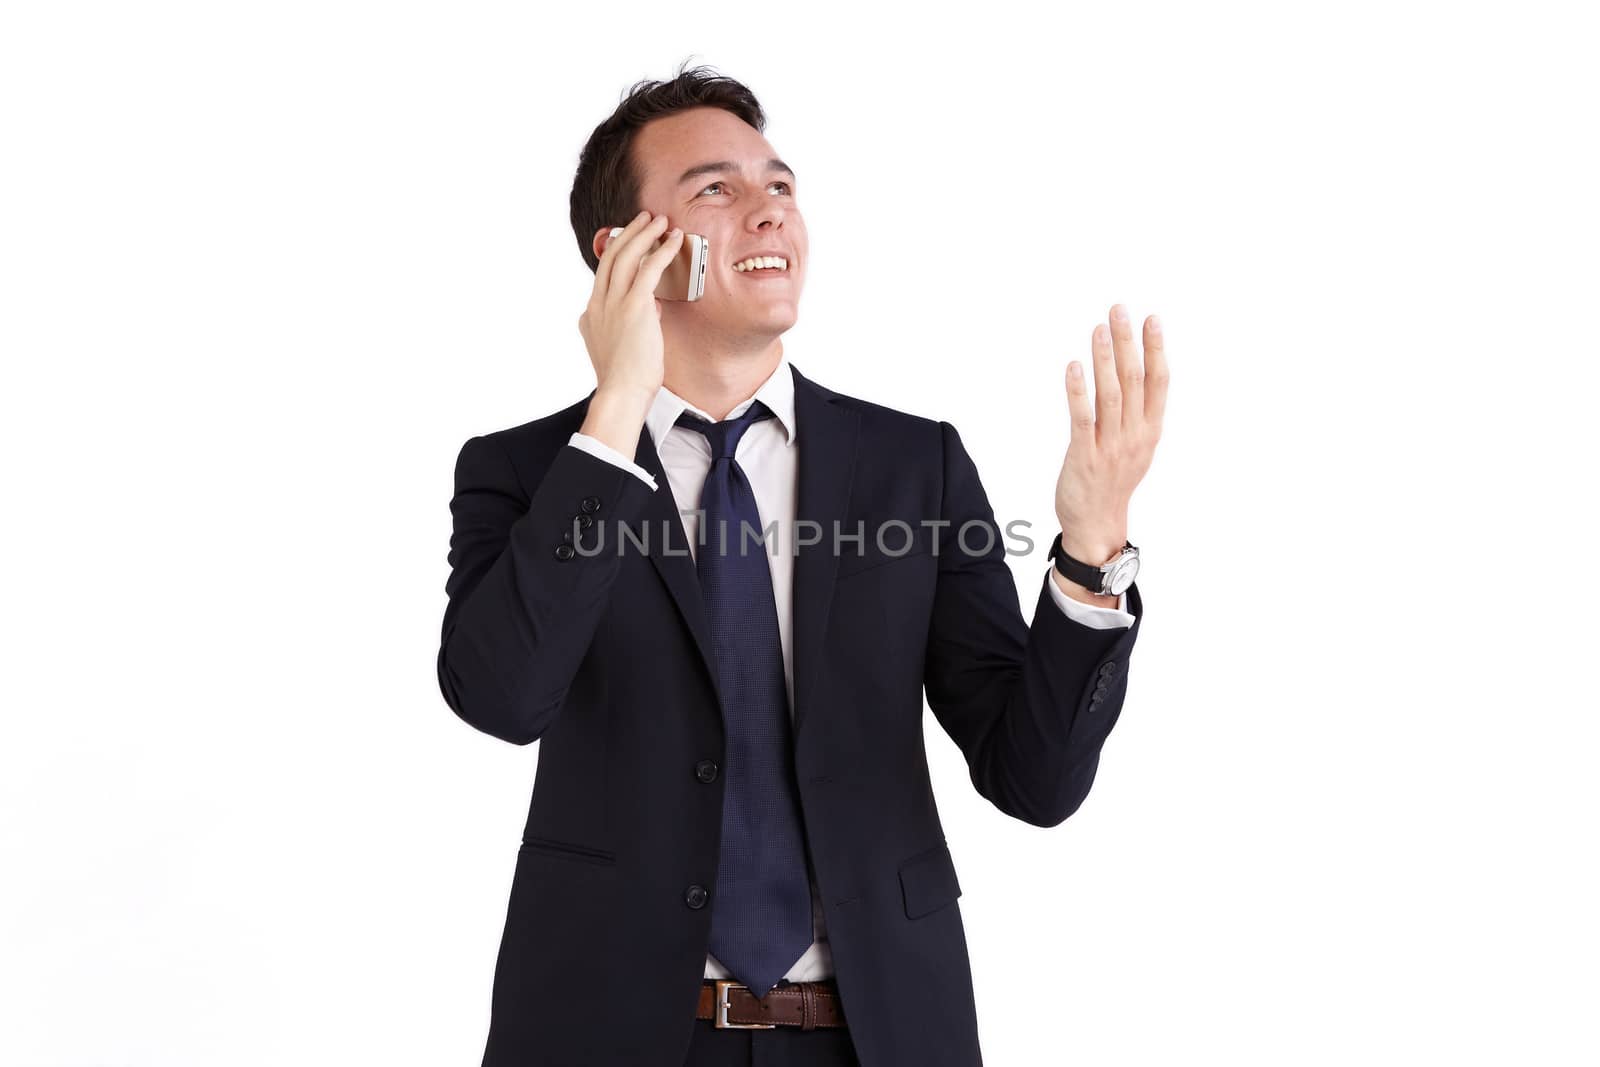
[(264, 268)]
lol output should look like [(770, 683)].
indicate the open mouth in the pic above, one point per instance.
[(762, 266)]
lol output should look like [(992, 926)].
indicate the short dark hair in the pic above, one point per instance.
[(605, 190)]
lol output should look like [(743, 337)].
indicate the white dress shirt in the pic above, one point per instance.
[(769, 459)]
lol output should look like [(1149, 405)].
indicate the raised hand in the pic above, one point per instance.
[(1112, 441), (621, 326)]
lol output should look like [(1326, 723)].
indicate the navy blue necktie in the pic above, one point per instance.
[(761, 911)]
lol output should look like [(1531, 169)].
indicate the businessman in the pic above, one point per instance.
[(733, 854)]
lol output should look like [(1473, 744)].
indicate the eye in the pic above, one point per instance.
[(787, 190)]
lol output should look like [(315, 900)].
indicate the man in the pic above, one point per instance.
[(732, 823)]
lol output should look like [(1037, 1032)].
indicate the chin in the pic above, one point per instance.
[(774, 326), (782, 319), (773, 321)]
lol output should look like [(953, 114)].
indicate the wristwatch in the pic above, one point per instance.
[(1110, 578)]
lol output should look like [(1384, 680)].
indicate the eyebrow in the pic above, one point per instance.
[(722, 166)]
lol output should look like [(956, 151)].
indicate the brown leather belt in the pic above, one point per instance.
[(808, 1005)]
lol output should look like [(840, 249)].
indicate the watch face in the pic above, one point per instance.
[(1122, 576)]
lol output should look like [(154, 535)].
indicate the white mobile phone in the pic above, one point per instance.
[(685, 276)]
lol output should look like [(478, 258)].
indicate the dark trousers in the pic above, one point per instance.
[(785, 1046)]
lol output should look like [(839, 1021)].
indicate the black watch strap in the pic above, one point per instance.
[(1088, 575)]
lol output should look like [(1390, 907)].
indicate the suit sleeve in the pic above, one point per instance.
[(523, 603), (1029, 707)]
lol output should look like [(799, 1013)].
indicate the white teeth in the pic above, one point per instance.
[(757, 262)]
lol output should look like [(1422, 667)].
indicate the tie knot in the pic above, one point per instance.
[(724, 436)]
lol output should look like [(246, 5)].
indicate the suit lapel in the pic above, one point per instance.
[(827, 433), (672, 559)]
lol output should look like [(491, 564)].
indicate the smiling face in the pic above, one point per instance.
[(713, 174)]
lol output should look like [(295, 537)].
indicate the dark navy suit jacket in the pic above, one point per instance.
[(604, 657)]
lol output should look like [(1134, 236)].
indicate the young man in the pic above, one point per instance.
[(732, 823)]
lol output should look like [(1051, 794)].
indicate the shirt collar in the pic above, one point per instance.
[(777, 392)]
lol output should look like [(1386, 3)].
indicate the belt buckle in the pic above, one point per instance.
[(721, 1014)]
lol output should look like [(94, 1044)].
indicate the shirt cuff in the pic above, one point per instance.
[(600, 450), (1091, 615)]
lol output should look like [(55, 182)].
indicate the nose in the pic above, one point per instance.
[(767, 219)]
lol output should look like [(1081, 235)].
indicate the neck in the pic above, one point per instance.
[(716, 377)]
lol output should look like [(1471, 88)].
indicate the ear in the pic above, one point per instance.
[(601, 237)]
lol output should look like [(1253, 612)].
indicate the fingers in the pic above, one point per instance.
[(654, 264), (1107, 390), (625, 250), (1155, 374), (1130, 370), (637, 246), (1079, 408), (608, 254)]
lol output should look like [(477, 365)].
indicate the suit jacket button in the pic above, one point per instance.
[(1107, 670), (590, 503), (706, 770), (1099, 692), (565, 552), (695, 897), (583, 521)]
